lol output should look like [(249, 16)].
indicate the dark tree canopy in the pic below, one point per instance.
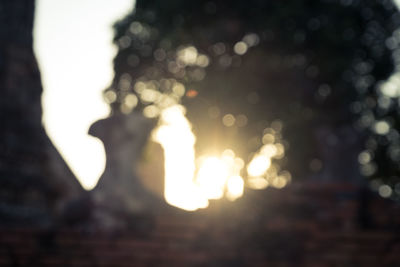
[(314, 67)]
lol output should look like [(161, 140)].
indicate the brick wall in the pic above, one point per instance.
[(305, 225)]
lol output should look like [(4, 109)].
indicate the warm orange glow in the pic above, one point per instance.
[(258, 165), (191, 93), (185, 187), (175, 136), (257, 182), (261, 172), (212, 176), (234, 186), (217, 176)]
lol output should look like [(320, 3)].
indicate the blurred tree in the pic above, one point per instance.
[(246, 68)]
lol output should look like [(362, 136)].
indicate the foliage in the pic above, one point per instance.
[(315, 67)]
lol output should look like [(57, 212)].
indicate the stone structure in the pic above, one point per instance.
[(302, 225), (306, 224), (120, 192), (35, 183)]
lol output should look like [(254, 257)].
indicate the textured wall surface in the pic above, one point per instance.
[(34, 181), (304, 225)]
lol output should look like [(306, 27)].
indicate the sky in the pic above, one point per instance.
[(74, 49)]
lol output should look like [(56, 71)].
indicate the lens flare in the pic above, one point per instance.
[(186, 186), (258, 165), (212, 176), (235, 187), (175, 136)]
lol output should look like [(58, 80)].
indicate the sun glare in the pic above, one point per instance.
[(259, 165), (235, 186), (175, 136), (188, 186), (212, 176)]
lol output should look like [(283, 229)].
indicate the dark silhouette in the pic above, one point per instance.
[(35, 183)]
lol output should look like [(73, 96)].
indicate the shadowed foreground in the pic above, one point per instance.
[(311, 226)]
